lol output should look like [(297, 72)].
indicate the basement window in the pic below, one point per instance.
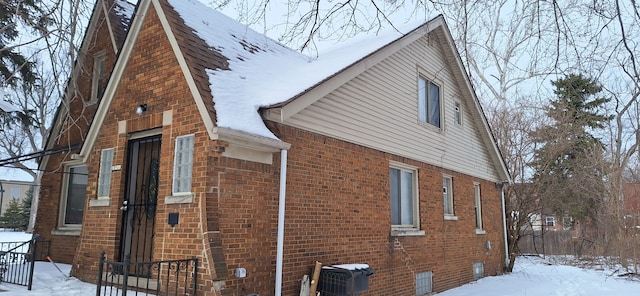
[(478, 270), (424, 283)]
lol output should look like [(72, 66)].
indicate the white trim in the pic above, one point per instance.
[(114, 80), (415, 198), (458, 114), (487, 135), (249, 141), (145, 134), (61, 113), (105, 171), (190, 149), (423, 75), (477, 208), (185, 198), (105, 11), (64, 195), (407, 232), (100, 202), (195, 93), (66, 231), (99, 60), (449, 196)]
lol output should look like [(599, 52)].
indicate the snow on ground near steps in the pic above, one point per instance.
[(47, 280), (534, 276), (531, 277)]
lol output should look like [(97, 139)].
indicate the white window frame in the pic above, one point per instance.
[(414, 227), (564, 224), (447, 194), (457, 113), (104, 178), (478, 270), (477, 206), (97, 78), (64, 196), (424, 100), (550, 221), (178, 164)]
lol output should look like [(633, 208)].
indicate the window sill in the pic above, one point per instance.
[(100, 202), (66, 231), (480, 231), (407, 232), (431, 127), (451, 217), (179, 199)]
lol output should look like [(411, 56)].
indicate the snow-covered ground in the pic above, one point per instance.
[(532, 276)]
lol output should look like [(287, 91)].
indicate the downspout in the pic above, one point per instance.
[(281, 204), (504, 226)]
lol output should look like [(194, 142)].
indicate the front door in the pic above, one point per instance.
[(139, 205)]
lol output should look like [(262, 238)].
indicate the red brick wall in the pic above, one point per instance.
[(153, 77), (337, 211)]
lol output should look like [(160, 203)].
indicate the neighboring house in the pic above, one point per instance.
[(378, 153), (12, 190), (631, 192)]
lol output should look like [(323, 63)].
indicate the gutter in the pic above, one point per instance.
[(504, 226), (281, 212)]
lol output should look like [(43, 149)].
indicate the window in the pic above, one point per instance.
[(429, 102), (457, 113), (424, 283), (183, 163), (97, 82), (478, 270), (104, 179), (404, 196), (15, 193), (551, 221), (75, 192), (447, 192), (567, 222), (477, 206)]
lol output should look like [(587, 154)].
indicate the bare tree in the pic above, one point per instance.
[(51, 55), (512, 127)]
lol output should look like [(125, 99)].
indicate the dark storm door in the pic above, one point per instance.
[(140, 202)]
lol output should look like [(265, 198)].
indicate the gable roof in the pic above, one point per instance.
[(262, 72), (120, 13), (233, 72)]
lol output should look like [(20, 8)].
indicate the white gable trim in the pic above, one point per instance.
[(71, 82), (105, 11), (114, 80), (195, 93), (487, 135)]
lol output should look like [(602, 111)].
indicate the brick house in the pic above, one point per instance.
[(631, 192), (377, 154)]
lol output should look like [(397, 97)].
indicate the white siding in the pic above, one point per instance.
[(378, 109)]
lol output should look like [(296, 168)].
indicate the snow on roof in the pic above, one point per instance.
[(263, 72), (125, 10)]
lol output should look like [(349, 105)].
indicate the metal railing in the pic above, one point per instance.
[(17, 260), (166, 277)]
